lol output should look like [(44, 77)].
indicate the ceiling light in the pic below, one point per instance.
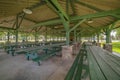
[(27, 11)]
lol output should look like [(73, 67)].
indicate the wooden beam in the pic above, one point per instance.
[(89, 6), (76, 18), (2, 27), (96, 9), (73, 6), (80, 22), (58, 8)]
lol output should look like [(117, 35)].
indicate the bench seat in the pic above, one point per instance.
[(102, 64)]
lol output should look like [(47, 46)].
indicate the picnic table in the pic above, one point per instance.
[(101, 64)]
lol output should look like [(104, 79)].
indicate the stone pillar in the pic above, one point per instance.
[(75, 48), (67, 52), (78, 44), (98, 44), (108, 47)]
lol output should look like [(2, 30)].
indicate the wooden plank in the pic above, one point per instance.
[(105, 64), (95, 70), (111, 62)]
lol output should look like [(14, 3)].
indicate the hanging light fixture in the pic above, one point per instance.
[(27, 11)]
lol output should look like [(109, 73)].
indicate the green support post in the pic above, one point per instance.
[(52, 33), (108, 31), (64, 17), (16, 34), (57, 37), (67, 38), (50, 37), (98, 37), (79, 37), (66, 26), (26, 37), (46, 35), (93, 38), (77, 25), (74, 36), (108, 35), (8, 36), (35, 36), (60, 38), (16, 31)]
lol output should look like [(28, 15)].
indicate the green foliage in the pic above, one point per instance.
[(116, 47)]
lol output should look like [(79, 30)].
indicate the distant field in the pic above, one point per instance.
[(116, 47)]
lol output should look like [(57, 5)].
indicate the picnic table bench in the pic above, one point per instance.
[(75, 72), (11, 48), (101, 65), (38, 58), (32, 52)]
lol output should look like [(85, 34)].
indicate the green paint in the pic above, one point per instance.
[(67, 38), (46, 35), (98, 37), (16, 34), (108, 31), (80, 22), (65, 23), (19, 23), (108, 36), (8, 36), (3, 27), (35, 36), (74, 36), (59, 8), (79, 37), (67, 6), (72, 4), (66, 26)]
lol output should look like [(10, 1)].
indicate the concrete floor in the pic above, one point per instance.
[(18, 68)]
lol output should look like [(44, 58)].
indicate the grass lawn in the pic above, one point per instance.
[(116, 47)]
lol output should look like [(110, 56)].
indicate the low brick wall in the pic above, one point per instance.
[(108, 47), (98, 44), (76, 47), (67, 52)]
